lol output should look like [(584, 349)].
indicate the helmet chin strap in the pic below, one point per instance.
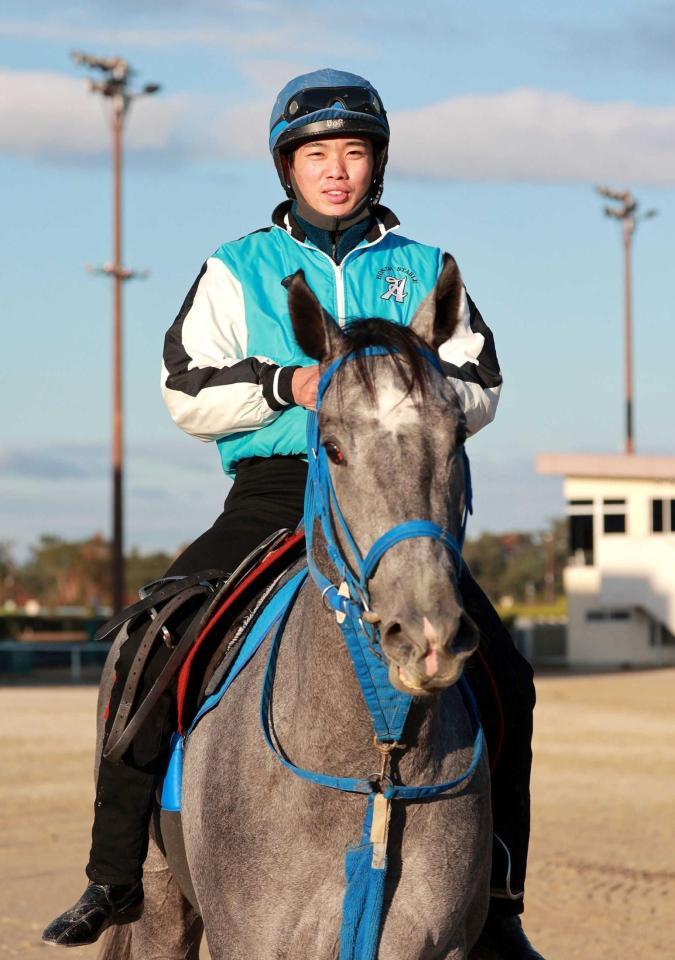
[(325, 221)]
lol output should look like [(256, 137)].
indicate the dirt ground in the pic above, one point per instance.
[(602, 871)]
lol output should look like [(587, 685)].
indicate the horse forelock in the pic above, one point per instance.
[(406, 353)]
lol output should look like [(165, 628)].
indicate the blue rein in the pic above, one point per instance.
[(366, 864)]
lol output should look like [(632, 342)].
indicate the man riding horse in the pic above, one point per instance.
[(233, 373)]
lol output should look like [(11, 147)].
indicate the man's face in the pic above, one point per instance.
[(334, 175)]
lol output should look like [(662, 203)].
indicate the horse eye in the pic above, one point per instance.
[(333, 452)]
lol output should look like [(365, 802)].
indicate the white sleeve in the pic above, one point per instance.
[(470, 362), (210, 384)]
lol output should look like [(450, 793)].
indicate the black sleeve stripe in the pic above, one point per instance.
[(487, 371), (193, 381), (471, 373), (176, 358)]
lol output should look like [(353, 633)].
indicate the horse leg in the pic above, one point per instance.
[(169, 928)]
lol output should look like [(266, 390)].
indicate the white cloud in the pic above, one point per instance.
[(278, 34), (522, 135), (53, 114), (535, 136)]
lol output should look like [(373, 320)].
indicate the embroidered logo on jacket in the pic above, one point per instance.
[(396, 289), (396, 279)]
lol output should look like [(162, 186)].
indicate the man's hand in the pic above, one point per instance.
[(304, 385)]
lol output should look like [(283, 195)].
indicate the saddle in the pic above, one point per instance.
[(208, 645)]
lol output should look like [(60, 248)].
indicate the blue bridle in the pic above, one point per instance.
[(321, 502)]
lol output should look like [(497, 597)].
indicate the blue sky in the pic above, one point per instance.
[(503, 117)]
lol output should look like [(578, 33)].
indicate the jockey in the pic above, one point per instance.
[(233, 373)]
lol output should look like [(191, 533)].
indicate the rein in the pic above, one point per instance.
[(365, 864)]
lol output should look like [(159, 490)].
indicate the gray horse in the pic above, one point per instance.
[(266, 849)]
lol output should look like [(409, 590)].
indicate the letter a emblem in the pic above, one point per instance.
[(396, 289)]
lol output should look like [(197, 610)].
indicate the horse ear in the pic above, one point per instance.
[(437, 316), (317, 334)]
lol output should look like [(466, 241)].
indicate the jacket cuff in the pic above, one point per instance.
[(284, 387), (276, 384)]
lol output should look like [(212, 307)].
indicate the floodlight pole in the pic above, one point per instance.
[(627, 213), (115, 87)]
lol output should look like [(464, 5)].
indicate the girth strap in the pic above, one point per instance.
[(122, 733)]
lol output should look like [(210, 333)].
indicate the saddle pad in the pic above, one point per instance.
[(193, 669), (270, 614)]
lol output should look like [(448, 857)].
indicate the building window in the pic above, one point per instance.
[(663, 516), (581, 538), (660, 636), (614, 515), (614, 523), (580, 531), (597, 616)]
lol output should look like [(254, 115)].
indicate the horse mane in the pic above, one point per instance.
[(405, 348)]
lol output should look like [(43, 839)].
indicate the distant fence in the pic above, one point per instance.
[(23, 659), (542, 642)]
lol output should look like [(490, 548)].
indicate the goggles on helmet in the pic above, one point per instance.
[(354, 99)]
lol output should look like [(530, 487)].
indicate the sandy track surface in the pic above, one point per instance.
[(602, 857)]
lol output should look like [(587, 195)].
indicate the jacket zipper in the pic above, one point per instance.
[(337, 270)]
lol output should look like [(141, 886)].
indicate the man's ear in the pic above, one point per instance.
[(437, 316), (317, 334)]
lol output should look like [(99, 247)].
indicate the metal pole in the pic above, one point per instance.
[(117, 446), (115, 86), (627, 213), (628, 229)]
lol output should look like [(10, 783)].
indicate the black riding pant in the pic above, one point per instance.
[(267, 494)]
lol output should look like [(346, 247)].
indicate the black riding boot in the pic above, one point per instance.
[(99, 907), (122, 810), (125, 796), (503, 938)]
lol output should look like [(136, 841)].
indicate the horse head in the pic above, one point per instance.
[(392, 429)]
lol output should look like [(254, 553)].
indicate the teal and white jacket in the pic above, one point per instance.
[(230, 354)]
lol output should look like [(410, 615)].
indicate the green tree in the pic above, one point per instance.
[(62, 572), (8, 572), (523, 565), (142, 568)]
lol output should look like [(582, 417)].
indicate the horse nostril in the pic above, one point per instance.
[(394, 638)]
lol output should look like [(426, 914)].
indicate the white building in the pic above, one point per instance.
[(620, 579)]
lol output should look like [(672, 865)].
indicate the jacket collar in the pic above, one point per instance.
[(383, 221)]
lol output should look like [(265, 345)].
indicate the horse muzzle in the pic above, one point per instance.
[(426, 658)]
